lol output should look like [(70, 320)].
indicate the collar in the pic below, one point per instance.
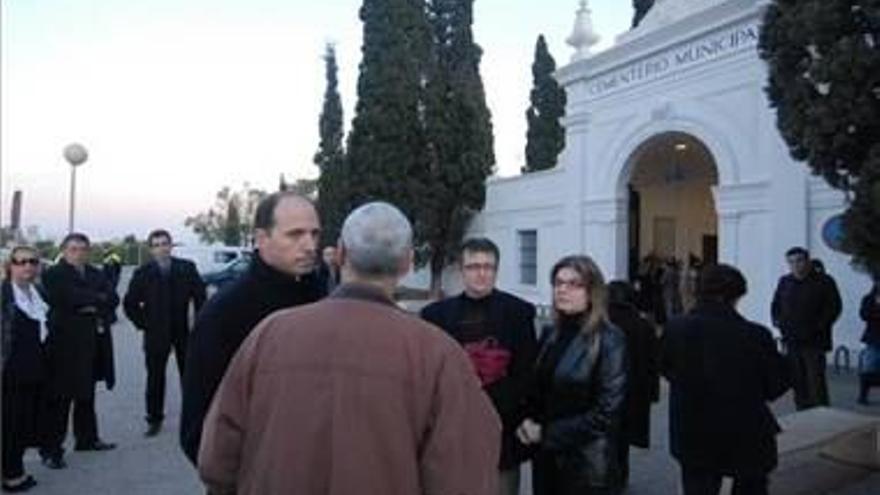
[(361, 292), (265, 272)]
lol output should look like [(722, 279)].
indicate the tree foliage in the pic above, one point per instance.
[(386, 157), (230, 220), (458, 131), (545, 135), (330, 157), (824, 82), (862, 219), (641, 10)]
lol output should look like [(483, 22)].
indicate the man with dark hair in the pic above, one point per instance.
[(79, 298), (805, 306), (722, 370), (157, 303), (497, 330), (281, 275)]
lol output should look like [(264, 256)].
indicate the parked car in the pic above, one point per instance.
[(216, 280), (211, 259)]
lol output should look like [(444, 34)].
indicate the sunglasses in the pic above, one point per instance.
[(26, 261)]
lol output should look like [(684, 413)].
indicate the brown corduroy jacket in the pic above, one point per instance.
[(350, 395)]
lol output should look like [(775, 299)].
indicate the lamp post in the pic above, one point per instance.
[(76, 155)]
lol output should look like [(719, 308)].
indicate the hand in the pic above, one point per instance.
[(529, 432)]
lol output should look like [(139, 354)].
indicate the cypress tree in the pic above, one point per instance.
[(386, 158), (641, 7), (459, 135), (824, 82), (824, 67), (232, 229), (545, 135), (330, 157)]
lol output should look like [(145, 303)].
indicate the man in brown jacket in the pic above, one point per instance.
[(352, 395)]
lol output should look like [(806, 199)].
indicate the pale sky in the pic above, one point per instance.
[(176, 98)]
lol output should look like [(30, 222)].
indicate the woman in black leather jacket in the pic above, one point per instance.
[(580, 381)]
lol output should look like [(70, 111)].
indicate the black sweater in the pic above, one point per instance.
[(222, 325)]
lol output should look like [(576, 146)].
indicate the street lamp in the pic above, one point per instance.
[(76, 155)]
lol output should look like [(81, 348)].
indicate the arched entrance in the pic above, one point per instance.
[(672, 218)]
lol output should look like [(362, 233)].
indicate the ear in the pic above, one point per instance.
[(341, 254), (261, 237), (406, 263)]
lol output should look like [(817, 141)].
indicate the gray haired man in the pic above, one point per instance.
[(381, 401)]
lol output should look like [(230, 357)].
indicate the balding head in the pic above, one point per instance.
[(376, 242), (286, 231)]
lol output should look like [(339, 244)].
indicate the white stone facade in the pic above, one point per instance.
[(696, 74)]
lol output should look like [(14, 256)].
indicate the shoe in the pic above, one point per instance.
[(54, 462), (153, 429), (95, 446), (23, 486)]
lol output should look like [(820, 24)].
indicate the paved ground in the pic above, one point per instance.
[(141, 466)]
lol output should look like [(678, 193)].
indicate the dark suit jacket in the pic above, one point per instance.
[(723, 369), (514, 320), (143, 303), (77, 306)]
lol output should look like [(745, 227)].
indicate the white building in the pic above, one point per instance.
[(671, 148)]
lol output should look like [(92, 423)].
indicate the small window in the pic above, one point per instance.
[(528, 257)]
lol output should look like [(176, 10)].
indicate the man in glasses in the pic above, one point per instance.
[(497, 330), (80, 298), (157, 303)]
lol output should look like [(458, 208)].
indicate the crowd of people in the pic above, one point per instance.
[(305, 376)]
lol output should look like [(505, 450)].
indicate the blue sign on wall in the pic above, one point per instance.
[(832, 233)]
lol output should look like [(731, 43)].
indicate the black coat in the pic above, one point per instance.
[(222, 325), (580, 412), (23, 356), (805, 310), (723, 369), (513, 322), (161, 307), (643, 378), (77, 307), (870, 313)]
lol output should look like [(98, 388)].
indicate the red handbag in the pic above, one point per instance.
[(489, 358)]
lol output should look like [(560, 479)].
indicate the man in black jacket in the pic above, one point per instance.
[(497, 330), (157, 303), (281, 275), (722, 369), (805, 306), (79, 298)]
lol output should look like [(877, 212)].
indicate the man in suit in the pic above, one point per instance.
[(80, 298), (157, 303), (497, 330)]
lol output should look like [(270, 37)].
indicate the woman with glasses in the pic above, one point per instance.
[(24, 330), (580, 380)]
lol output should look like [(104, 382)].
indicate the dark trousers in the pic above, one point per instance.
[(157, 362), (85, 422), (807, 368), (551, 477), (704, 482), (20, 408)]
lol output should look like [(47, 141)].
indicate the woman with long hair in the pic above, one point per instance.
[(24, 330), (580, 380)]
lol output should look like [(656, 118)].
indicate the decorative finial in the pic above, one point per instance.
[(583, 37)]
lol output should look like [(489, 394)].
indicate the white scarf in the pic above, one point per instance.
[(30, 303)]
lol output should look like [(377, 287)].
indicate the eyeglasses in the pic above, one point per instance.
[(483, 267), (26, 261), (568, 284)]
